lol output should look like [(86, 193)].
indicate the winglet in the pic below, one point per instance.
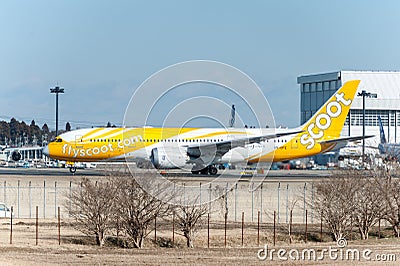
[(328, 121), (381, 131)]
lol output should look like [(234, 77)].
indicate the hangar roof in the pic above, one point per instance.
[(386, 84)]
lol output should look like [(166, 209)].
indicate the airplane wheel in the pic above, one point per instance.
[(204, 171), (213, 170), (72, 169), (195, 172)]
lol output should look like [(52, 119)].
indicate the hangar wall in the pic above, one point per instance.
[(315, 89)]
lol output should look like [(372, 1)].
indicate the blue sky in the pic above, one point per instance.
[(101, 51)]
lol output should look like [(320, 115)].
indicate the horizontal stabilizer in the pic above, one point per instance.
[(345, 139)]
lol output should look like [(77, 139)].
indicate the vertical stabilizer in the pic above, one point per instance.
[(381, 131)]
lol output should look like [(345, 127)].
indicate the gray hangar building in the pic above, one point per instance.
[(315, 89)]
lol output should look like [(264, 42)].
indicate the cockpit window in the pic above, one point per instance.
[(56, 140)]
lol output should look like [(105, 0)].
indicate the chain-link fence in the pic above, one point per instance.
[(281, 197)]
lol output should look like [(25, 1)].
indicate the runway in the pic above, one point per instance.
[(273, 175), (5, 171)]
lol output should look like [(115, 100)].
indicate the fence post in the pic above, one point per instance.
[(279, 199), (312, 205), (155, 229), (252, 202), (200, 195), (287, 202), (274, 227), (304, 202), (70, 194), (236, 190), (11, 224), (55, 198), (18, 194), (261, 201), (30, 199), (258, 229), (184, 193), (290, 226), (225, 229), (5, 191), (351, 228), (208, 230), (306, 226), (59, 227), (44, 199), (242, 228), (117, 225), (321, 226), (226, 201), (173, 227), (209, 200), (37, 224)]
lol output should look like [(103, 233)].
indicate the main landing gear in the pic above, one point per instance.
[(72, 169), (211, 170)]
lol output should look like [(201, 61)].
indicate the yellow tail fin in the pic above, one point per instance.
[(328, 122)]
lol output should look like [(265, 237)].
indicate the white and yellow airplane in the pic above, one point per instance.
[(201, 149)]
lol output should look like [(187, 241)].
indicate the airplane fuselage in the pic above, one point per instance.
[(115, 144)]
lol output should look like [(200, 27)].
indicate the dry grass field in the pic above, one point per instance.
[(78, 249)]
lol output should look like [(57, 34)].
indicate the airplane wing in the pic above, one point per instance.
[(341, 142), (222, 147)]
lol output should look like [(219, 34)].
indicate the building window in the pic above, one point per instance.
[(313, 87), (332, 85), (371, 117), (326, 86), (319, 86), (306, 87)]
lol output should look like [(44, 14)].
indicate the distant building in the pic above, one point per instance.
[(28, 153), (315, 89)]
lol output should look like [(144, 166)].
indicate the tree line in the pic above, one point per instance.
[(16, 133)]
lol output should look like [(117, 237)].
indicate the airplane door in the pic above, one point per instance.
[(295, 143), (78, 142)]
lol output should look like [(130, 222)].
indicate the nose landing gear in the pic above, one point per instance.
[(72, 169)]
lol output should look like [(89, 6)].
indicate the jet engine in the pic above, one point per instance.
[(169, 157), (16, 155)]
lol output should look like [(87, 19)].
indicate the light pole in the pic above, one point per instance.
[(57, 90), (368, 95)]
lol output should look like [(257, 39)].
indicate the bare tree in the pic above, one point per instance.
[(389, 189), (368, 207), (138, 206), (190, 218), (91, 205), (334, 200)]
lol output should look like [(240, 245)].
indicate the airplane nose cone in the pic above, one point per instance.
[(46, 150)]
